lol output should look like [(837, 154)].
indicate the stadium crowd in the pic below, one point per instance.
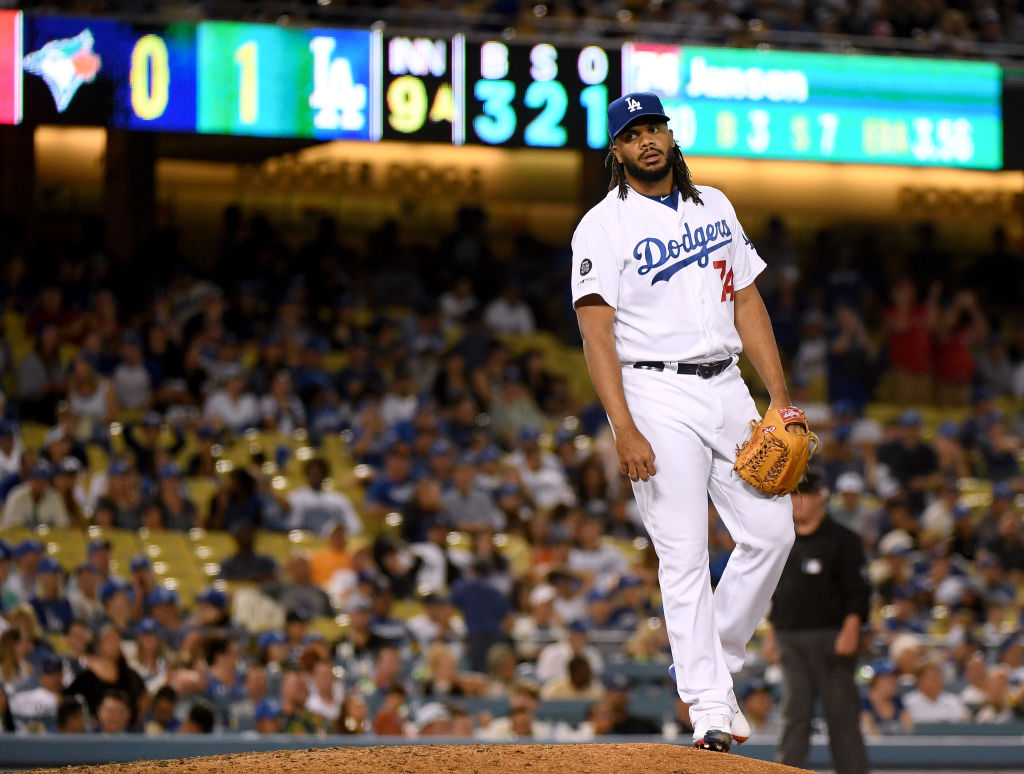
[(465, 531), (952, 28)]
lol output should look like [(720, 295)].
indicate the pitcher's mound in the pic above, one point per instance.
[(463, 759)]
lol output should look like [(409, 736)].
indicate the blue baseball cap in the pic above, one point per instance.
[(7, 429), (118, 468), (29, 546), (152, 419), (149, 626), (112, 587), (5, 550), (140, 562), (268, 709), (161, 596), (48, 564), (41, 469), (273, 637), (96, 545), (169, 470), (51, 665), (212, 597), (1002, 491), (629, 107)]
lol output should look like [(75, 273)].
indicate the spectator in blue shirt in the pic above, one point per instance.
[(392, 490), (485, 610), (52, 608)]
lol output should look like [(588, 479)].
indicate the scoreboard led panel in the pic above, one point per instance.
[(237, 78), (824, 107)]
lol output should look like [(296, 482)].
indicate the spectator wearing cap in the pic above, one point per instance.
[(466, 507), (52, 608), (225, 684), (164, 607), (97, 554), (999, 448), (241, 713), (930, 702), (231, 407), (149, 659), (393, 489), (950, 452), (821, 601), (177, 511), (203, 462), (624, 722), (268, 717), (540, 472), (280, 409), (118, 598), (539, 625), (10, 449), (146, 445), (847, 507), (35, 709), (911, 461), (92, 399), (84, 593), (485, 610), (315, 508), (70, 717), (759, 709), (882, 711), (21, 583), (399, 402), (124, 492), (35, 503), (142, 581), (66, 483), (105, 670), (433, 719), (553, 659), (937, 520), (211, 609), (132, 382), (245, 565), (1002, 504)]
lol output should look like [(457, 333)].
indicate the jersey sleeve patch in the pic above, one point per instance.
[(595, 269)]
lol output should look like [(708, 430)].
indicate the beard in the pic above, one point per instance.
[(648, 174)]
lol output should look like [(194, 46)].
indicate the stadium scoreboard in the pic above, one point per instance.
[(232, 78)]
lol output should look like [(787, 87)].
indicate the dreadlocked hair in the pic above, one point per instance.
[(680, 176)]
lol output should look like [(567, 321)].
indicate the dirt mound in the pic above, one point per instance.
[(463, 759)]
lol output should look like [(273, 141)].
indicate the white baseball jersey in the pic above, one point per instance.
[(670, 274)]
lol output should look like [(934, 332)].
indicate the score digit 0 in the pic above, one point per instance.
[(150, 77)]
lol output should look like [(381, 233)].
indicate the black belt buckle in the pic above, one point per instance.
[(707, 370)]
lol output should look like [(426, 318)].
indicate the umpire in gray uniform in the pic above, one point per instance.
[(817, 612)]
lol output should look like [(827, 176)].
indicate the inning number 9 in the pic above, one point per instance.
[(407, 103), (150, 77)]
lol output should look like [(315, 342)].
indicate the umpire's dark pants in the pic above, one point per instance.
[(812, 670)]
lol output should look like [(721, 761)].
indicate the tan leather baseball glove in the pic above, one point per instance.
[(773, 459)]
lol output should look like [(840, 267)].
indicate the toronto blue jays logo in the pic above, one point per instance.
[(697, 245), (65, 65)]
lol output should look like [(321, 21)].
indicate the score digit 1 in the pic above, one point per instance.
[(247, 59), (592, 66), (150, 77)]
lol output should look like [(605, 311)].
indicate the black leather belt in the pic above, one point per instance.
[(703, 370)]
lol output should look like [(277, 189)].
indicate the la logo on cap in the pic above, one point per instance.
[(633, 105)]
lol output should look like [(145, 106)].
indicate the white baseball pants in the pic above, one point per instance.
[(694, 426)]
